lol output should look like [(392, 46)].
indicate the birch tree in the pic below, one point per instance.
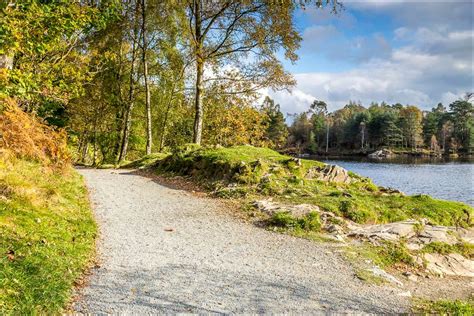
[(246, 35)]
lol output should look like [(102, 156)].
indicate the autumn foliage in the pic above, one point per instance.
[(26, 136)]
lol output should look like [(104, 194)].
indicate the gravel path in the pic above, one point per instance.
[(211, 262)]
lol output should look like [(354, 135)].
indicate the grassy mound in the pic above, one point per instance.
[(47, 235), (245, 171)]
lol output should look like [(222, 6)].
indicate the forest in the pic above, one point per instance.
[(128, 78), (357, 129)]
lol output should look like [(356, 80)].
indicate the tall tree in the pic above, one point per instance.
[(134, 38), (462, 113), (246, 35), (411, 118), (144, 47), (276, 131)]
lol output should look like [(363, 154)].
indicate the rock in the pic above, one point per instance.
[(269, 207), (466, 235), (431, 233), (389, 190), (384, 275), (329, 173), (333, 228), (452, 264), (390, 232), (383, 153), (415, 233), (410, 276)]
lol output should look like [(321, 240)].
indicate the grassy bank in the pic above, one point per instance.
[(47, 235), (246, 171), (443, 307)]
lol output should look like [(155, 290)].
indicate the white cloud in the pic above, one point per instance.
[(295, 101), (427, 60), (408, 77)]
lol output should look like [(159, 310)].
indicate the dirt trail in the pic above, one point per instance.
[(210, 262)]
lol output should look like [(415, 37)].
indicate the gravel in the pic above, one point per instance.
[(163, 250)]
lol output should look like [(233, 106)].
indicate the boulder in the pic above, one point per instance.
[(329, 173), (383, 153), (451, 264), (390, 232), (415, 233), (270, 207), (431, 233), (384, 275)]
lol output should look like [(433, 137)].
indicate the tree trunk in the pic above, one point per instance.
[(198, 105), (131, 92), (199, 73), (147, 85), (84, 146), (165, 119), (327, 136)]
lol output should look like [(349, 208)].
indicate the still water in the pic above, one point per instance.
[(449, 180)]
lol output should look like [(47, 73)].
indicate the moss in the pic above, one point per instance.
[(145, 161)]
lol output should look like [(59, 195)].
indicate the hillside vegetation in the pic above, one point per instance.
[(246, 171), (47, 231)]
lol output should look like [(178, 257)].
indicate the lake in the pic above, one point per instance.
[(449, 180)]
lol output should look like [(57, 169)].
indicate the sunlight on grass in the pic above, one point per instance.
[(47, 235)]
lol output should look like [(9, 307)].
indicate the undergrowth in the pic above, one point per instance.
[(463, 248), (26, 136)]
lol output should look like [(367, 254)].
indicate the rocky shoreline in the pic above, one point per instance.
[(414, 234)]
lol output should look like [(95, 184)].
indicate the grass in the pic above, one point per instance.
[(310, 222), (386, 255), (370, 277), (47, 236), (246, 171), (444, 307), (463, 248), (144, 161)]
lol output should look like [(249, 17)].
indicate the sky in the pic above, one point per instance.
[(411, 52)]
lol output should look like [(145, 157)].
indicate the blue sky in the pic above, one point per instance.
[(412, 52)]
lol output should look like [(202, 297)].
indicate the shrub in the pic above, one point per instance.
[(463, 248), (310, 221), (396, 253), (26, 136), (283, 219)]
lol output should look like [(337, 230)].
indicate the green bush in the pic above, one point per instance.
[(310, 221), (283, 219), (463, 248)]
